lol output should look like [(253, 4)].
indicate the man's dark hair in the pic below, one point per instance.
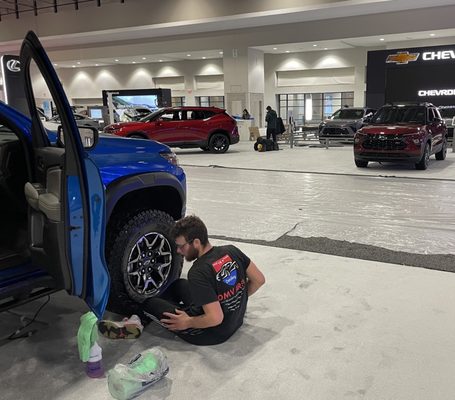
[(268, 108), (191, 227)]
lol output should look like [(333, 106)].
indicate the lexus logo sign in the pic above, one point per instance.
[(13, 65)]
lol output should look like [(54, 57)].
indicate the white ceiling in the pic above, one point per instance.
[(68, 50), (386, 41)]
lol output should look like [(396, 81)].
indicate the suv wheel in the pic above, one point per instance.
[(219, 143), (361, 163), (425, 160), (143, 260), (441, 155)]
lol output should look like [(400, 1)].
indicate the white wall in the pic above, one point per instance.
[(307, 67), (87, 83)]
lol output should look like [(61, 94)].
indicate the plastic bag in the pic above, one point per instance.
[(129, 381)]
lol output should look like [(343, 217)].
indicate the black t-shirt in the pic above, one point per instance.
[(220, 275)]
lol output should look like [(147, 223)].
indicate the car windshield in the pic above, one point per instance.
[(347, 113), (400, 115), (151, 116)]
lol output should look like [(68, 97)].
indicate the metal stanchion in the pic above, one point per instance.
[(291, 137), (291, 131)]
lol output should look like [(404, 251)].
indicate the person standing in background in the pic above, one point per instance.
[(271, 119)]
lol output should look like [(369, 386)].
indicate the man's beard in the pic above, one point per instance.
[(192, 254)]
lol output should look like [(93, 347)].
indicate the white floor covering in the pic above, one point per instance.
[(391, 206), (322, 328)]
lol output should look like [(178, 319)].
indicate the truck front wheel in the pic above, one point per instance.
[(143, 260)]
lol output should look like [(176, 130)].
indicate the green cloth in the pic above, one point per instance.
[(146, 364), (87, 335)]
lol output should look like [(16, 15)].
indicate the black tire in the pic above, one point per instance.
[(361, 163), (425, 160), (205, 148), (148, 231), (441, 155), (219, 143)]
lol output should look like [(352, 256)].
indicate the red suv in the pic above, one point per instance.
[(407, 132), (209, 128)]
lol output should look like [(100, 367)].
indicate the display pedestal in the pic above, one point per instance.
[(244, 128)]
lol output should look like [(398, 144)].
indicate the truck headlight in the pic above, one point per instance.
[(170, 157)]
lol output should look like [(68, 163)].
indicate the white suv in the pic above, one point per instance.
[(448, 115)]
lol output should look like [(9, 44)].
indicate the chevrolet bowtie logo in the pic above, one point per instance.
[(402, 57)]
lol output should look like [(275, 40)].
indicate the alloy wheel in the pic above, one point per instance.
[(149, 264)]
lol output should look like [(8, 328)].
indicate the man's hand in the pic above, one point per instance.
[(176, 322)]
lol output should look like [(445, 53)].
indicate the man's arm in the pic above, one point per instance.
[(255, 278), (213, 316)]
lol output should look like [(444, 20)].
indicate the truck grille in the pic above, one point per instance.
[(384, 142)]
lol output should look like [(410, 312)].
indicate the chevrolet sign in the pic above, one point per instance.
[(402, 57), (436, 92), (438, 55)]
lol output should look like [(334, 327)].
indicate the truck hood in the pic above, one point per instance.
[(117, 157)]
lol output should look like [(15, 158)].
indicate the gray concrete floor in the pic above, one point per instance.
[(323, 327)]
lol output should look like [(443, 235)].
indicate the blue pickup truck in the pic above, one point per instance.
[(83, 212)]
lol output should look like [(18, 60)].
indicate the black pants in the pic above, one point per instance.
[(271, 132), (177, 295)]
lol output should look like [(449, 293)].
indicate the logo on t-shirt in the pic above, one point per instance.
[(226, 270)]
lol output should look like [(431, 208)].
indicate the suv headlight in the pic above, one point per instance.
[(415, 137), (358, 136), (170, 157)]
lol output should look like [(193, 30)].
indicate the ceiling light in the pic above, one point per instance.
[(382, 39), (160, 60), (73, 66), (144, 58), (288, 51), (325, 48), (221, 52), (188, 55), (96, 65), (432, 34), (116, 60), (55, 64), (315, 45), (275, 48), (78, 63), (134, 62), (204, 58)]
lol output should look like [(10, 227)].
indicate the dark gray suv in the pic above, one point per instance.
[(344, 123)]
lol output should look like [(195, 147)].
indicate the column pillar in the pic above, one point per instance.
[(243, 70)]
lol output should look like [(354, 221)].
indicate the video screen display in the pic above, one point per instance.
[(134, 104), (96, 113), (148, 101), (134, 107), (419, 83)]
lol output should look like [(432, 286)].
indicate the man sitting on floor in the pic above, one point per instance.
[(209, 307)]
